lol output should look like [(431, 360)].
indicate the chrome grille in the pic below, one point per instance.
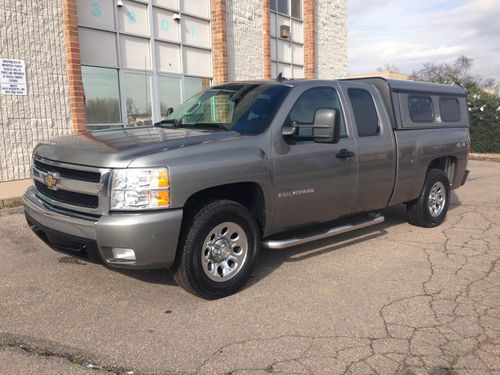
[(72, 186), (65, 196), (69, 173)]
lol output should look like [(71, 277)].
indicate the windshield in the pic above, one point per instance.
[(245, 108)]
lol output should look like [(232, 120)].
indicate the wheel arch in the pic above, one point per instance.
[(249, 194)]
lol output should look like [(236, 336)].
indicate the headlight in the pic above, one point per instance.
[(140, 189)]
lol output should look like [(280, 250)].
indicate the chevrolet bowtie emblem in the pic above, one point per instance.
[(50, 181)]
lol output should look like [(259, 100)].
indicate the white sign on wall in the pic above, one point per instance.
[(13, 77)]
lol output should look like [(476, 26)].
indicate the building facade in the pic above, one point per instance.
[(93, 64)]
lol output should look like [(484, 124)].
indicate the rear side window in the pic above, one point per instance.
[(365, 112), (420, 108), (449, 109)]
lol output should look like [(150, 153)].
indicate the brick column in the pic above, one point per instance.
[(219, 41), (73, 67), (309, 39), (266, 39)]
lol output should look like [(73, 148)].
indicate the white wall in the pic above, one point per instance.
[(244, 39), (331, 27), (32, 31)]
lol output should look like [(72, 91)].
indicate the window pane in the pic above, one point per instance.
[(133, 18), (135, 52), (273, 5), (296, 9), (449, 109), (305, 107), (97, 13), (102, 96), (283, 6), (170, 94), (97, 47), (365, 112), (192, 85), (420, 108), (138, 99)]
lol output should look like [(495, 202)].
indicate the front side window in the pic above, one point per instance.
[(365, 112), (309, 102), (102, 95), (449, 109), (420, 108), (245, 108)]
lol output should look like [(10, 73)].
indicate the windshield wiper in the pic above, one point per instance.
[(174, 121)]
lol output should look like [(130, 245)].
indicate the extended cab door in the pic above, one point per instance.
[(376, 145), (312, 182)]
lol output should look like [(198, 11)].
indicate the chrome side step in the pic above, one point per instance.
[(335, 231)]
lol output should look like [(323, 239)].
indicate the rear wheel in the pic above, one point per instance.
[(218, 250), (430, 209)]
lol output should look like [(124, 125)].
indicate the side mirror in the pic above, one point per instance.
[(169, 111), (326, 127)]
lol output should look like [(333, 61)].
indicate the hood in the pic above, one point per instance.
[(117, 148)]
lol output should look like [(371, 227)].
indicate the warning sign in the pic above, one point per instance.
[(13, 77)]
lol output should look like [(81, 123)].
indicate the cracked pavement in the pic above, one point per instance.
[(390, 299)]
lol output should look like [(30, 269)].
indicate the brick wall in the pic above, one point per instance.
[(219, 41), (331, 33), (309, 39), (245, 52), (33, 31)]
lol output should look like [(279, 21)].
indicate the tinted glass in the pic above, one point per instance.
[(273, 5), (296, 9), (420, 108), (365, 112), (245, 108), (305, 107), (449, 109), (102, 96), (138, 99), (283, 6)]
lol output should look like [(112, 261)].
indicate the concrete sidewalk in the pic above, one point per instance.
[(11, 192)]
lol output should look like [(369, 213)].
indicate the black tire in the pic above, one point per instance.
[(189, 272), (419, 212)]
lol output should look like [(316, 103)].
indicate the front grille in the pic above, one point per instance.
[(73, 174), (69, 197)]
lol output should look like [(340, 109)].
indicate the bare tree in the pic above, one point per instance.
[(388, 66)]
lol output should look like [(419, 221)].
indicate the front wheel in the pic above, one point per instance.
[(430, 209), (218, 250)]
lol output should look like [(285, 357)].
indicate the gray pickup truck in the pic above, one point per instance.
[(246, 165)]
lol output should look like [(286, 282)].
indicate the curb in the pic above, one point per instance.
[(485, 157), (11, 203)]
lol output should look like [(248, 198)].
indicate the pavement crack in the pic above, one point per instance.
[(48, 349)]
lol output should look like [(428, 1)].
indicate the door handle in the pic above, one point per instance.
[(344, 154)]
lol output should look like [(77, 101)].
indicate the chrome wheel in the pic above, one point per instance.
[(224, 252), (437, 199)]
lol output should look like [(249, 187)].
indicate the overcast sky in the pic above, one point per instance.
[(408, 33)]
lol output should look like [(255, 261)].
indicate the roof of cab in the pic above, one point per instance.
[(392, 84)]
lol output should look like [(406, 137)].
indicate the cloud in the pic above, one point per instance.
[(409, 33)]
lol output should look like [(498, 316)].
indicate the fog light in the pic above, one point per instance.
[(122, 253)]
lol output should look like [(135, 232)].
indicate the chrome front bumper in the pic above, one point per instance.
[(152, 235)]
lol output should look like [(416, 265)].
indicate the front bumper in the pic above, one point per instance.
[(152, 235)]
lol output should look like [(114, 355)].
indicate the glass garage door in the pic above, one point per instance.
[(139, 58)]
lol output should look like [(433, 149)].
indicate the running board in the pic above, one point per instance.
[(301, 239)]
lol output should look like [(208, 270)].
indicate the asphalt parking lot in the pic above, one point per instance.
[(390, 299)]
